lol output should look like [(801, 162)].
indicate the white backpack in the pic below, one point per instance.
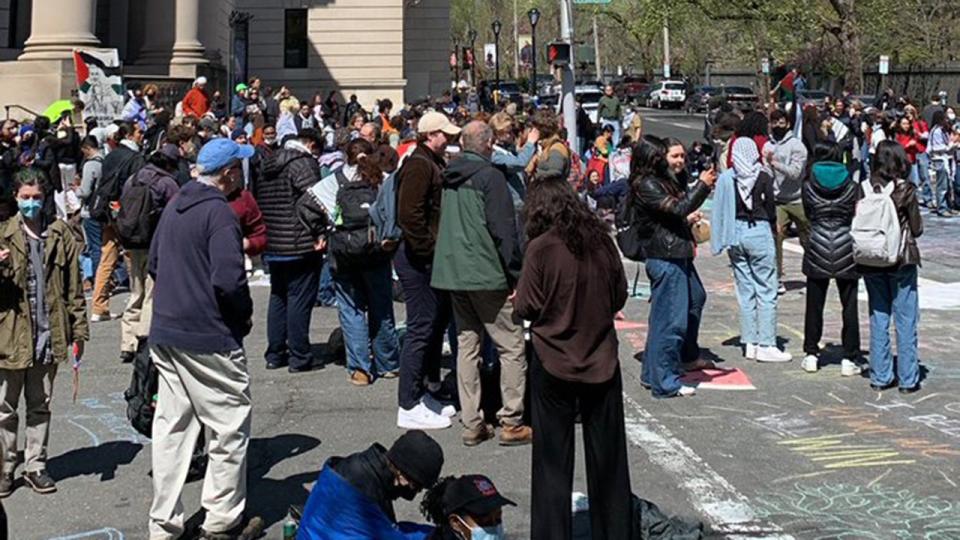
[(876, 228)]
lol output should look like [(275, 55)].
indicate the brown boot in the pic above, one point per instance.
[(474, 437), (516, 435)]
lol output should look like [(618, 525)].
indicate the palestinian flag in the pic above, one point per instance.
[(84, 61)]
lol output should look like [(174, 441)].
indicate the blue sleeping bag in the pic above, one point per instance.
[(337, 511)]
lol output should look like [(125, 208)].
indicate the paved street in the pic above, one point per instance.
[(785, 455)]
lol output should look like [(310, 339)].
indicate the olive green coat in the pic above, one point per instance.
[(64, 293)]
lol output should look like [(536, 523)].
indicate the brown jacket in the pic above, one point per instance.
[(64, 292), (419, 189)]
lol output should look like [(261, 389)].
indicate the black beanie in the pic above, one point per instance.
[(418, 457)]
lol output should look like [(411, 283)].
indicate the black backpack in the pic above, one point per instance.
[(353, 243), (138, 217), (140, 394), (629, 234), (111, 185)]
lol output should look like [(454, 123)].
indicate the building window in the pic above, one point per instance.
[(295, 44)]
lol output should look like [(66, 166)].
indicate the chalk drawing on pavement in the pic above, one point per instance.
[(101, 422), (845, 512), (106, 533)]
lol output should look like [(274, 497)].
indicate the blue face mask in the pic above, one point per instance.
[(486, 533), (30, 208)]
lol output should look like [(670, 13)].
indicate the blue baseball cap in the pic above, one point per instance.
[(218, 153)]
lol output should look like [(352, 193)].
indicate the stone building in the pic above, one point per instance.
[(374, 48)]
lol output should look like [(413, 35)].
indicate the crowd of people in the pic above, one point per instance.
[(498, 237)]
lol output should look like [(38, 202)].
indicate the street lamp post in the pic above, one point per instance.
[(534, 15), (496, 59), (472, 34)]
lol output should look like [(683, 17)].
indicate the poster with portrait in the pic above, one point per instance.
[(489, 55), (99, 83), (525, 49)]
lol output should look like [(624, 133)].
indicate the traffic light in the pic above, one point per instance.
[(558, 53)]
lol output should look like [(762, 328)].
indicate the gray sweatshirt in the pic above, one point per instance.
[(787, 165)]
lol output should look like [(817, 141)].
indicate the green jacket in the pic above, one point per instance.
[(478, 247), (608, 108), (64, 291)]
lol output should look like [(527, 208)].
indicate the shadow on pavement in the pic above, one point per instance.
[(104, 460)]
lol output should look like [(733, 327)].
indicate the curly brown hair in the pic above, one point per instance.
[(553, 205)]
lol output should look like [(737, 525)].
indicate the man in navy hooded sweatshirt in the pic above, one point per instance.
[(202, 312)]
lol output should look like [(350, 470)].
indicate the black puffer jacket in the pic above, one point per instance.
[(284, 178), (830, 210), (665, 204)]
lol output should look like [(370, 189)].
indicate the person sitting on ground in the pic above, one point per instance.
[(354, 495), (464, 508)]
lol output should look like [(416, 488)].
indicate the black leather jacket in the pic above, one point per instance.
[(665, 204)]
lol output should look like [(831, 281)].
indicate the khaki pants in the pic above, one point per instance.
[(787, 214), (136, 316), (103, 283), (36, 385), (477, 312), (198, 391)]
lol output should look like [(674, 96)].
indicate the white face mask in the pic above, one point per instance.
[(952, 116)]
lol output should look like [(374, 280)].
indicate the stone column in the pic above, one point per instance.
[(58, 26), (187, 49), (157, 46)]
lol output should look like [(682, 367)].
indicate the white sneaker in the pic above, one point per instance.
[(686, 391), (421, 417), (750, 351), (102, 317), (782, 289), (809, 363), (772, 354), (438, 407), (849, 368), (446, 350)]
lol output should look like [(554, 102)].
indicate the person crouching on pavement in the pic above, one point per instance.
[(44, 314), (478, 260), (465, 508), (354, 495), (202, 311), (571, 287)]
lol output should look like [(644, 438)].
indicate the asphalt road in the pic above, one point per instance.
[(789, 455)]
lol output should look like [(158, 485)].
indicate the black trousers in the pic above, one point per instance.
[(813, 318), (554, 403)]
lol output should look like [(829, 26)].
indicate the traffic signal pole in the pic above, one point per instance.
[(567, 81)]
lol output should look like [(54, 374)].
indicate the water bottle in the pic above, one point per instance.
[(289, 529)]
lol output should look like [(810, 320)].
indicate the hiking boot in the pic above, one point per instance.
[(127, 357), (6, 485), (516, 435), (360, 378), (40, 482), (474, 437)]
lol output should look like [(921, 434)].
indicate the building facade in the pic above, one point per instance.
[(393, 49)]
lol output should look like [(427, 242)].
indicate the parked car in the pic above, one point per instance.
[(589, 96), (668, 94), (632, 87), (698, 101), (510, 92), (740, 97), (868, 100)]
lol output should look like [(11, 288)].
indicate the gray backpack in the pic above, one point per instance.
[(877, 237)]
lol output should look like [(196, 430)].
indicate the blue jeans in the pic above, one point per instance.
[(293, 291), (754, 261), (326, 296), (923, 169), (943, 184), (365, 305), (894, 292), (676, 305), (94, 235)]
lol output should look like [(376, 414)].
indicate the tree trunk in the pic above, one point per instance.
[(849, 36)]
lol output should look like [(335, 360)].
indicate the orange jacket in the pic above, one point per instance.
[(196, 102)]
